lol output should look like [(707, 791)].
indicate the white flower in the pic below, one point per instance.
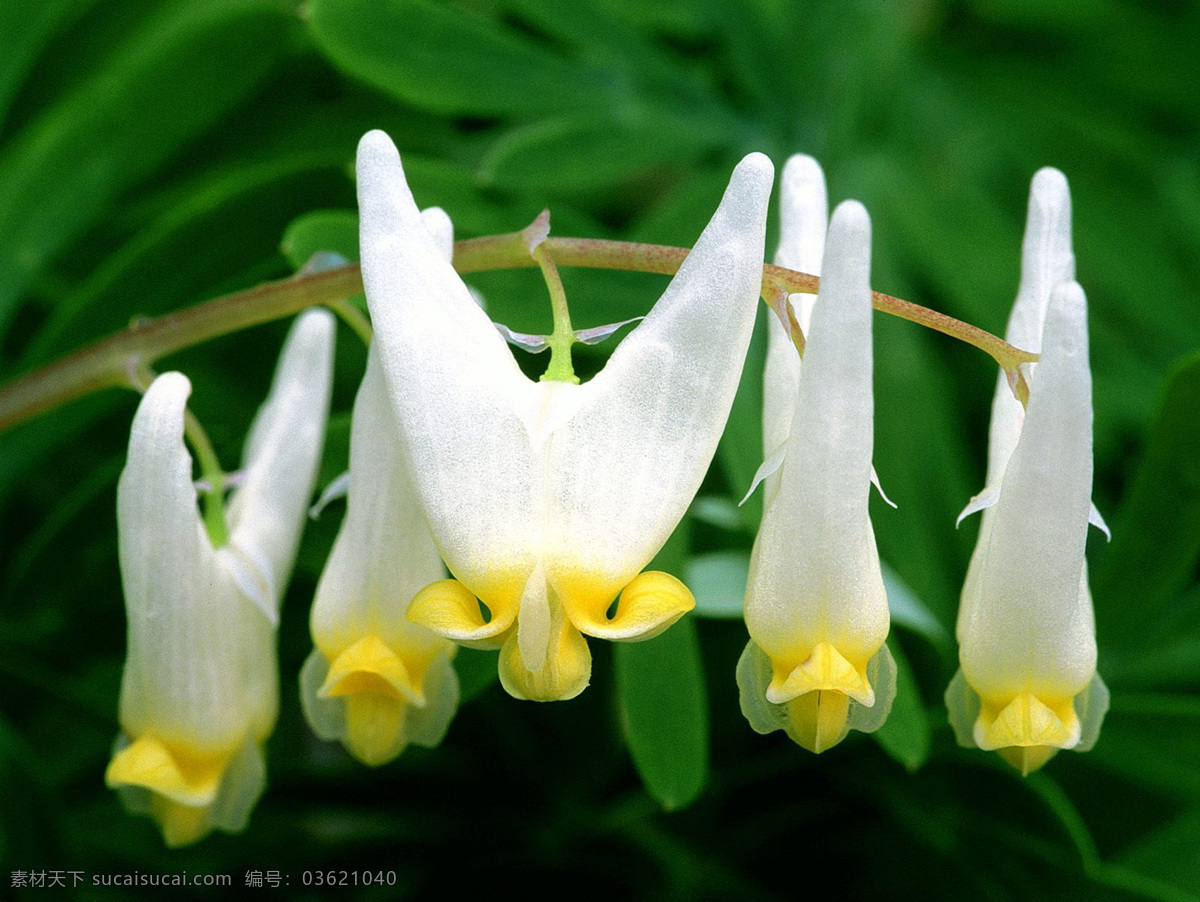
[(1028, 684), (816, 608), (546, 499), (199, 694), (376, 682)]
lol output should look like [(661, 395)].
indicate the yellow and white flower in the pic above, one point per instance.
[(375, 681), (816, 665), (199, 694), (546, 499), (1028, 685)]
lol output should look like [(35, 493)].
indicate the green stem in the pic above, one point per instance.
[(106, 363), (210, 468), (563, 336), (354, 318)]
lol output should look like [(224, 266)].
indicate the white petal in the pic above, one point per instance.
[(1046, 261), (267, 513), (1096, 519), (1029, 624), (768, 468), (183, 678), (338, 487), (625, 466), (383, 554), (803, 216), (454, 386), (441, 230), (815, 570)]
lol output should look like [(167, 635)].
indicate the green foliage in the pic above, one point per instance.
[(154, 153)]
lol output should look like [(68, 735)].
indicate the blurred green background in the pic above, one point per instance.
[(155, 153)]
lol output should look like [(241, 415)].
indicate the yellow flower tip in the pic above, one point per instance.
[(1028, 758), (825, 669), (181, 825), (650, 603), (818, 719), (370, 667), (1025, 721), (375, 725), (450, 609), (564, 672), (188, 778)]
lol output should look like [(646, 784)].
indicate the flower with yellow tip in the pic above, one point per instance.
[(546, 499), (199, 695), (375, 681), (816, 665), (1028, 685)]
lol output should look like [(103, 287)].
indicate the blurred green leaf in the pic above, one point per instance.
[(905, 735), (446, 59), (157, 92), (334, 231), (1151, 739), (662, 699), (910, 612), (740, 451), (718, 580), (1169, 854), (1156, 536), (664, 712), (24, 30)]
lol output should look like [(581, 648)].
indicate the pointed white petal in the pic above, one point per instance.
[(986, 498), (441, 230), (803, 217), (267, 513), (182, 679), (626, 465), (383, 554), (815, 570), (337, 488), (1046, 261), (879, 488), (1096, 519), (1030, 626), (766, 470), (454, 386)]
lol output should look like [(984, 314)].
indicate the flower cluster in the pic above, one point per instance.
[(546, 500)]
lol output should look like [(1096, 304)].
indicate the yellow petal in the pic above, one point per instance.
[(563, 674), (189, 778), (817, 719), (825, 669), (450, 609), (181, 825), (650, 603), (1028, 758), (369, 666), (375, 727), (1026, 721)]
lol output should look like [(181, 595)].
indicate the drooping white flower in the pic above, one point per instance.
[(199, 694), (375, 681), (1028, 684), (816, 608), (546, 499)]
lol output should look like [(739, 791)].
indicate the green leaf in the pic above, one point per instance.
[(334, 231), (718, 580), (1156, 536), (26, 27), (1169, 854), (447, 60), (1151, 739), (161, 90), (910, 612), (662, 698), (906, 734), (663, 703)]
